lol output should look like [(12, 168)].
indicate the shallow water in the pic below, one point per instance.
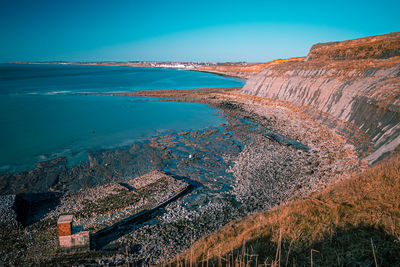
[(42, 117)]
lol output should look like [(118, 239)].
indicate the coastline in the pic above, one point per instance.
[(221, 74), (260, 137), (306, 160), (133, 65), (95, 114)]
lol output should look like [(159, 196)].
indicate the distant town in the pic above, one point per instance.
[(154, 64), (241, 70)]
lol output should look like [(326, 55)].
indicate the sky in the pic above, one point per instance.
[(175, 30)]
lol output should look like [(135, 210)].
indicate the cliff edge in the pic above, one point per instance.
[(241, 70), (355, 82)]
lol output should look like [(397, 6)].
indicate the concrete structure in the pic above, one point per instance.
[(81, 239), (72, 237), (64, 224)]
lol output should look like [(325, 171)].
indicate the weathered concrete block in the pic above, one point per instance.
[(65, 241), (81, 239)]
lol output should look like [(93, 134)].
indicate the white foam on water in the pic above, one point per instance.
[(58, 92)]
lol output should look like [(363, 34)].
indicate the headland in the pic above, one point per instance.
[(297, 127)]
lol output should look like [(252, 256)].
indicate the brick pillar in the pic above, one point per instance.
[(65, 225)]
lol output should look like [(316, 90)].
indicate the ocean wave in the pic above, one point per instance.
[(102, 92), (57, 92), (45, 157), (88, 92), (5, 167), (45, 93)]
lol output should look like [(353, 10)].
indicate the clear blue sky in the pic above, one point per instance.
[(201, 30)]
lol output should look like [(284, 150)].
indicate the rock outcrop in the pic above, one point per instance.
[(38, 180), (354, 82)]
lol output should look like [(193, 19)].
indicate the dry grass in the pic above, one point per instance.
[(244, 70), (355, 222), (379, 46)]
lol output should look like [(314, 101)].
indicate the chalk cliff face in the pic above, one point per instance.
[(356, 81)]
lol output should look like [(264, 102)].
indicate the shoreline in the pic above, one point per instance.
[(221, 74), (125, 64), (257, 139)]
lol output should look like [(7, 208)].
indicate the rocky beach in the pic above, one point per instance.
[(296, 127), (263, 156)]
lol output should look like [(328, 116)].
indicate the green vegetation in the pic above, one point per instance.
[(109, 203)]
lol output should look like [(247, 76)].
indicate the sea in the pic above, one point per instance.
[(46, 110)]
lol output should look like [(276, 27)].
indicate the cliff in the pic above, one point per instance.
[(355, 82), (242, 70)]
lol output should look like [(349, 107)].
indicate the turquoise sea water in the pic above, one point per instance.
[(42, 116)]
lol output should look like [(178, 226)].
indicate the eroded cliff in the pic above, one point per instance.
[(242, 70), (354, 82)]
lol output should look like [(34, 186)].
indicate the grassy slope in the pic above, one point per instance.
[(244, 70), (337, 226)]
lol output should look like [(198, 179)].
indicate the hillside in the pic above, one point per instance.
[(353, 87), (242, 70), (347, 224), (285, 180), (356, 81), (374, 47)]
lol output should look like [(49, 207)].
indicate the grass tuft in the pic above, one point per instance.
[(354, 222)]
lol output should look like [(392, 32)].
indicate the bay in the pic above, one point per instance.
[(42, 116)]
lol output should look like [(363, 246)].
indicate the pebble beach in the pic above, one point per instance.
[(261, 157)]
